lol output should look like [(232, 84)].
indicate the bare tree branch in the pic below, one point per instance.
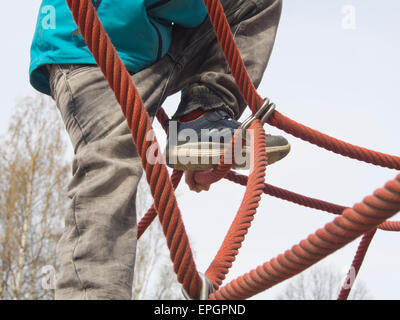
[(321, 283), (33, 180)]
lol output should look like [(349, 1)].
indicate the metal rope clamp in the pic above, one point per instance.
[(206, 288), (263, 114)]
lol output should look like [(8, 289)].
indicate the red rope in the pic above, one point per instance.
[(232, 54), (332, 144), (254, 100), (162, 118), (354, 222), (249, 284), (235, 236), (305, 201), (289, 195), (222, 169), (390, 226), (356, 264), (138, 120), (364, 216), (152, 212)]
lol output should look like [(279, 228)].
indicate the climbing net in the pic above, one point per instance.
[(363, 219)]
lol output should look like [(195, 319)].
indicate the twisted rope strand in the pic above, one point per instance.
[(254, 100), (219, 267), (149, 216), (138, 120), (305, 201), (356, 264), (363, 217)]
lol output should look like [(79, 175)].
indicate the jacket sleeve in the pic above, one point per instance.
[(186, 13)]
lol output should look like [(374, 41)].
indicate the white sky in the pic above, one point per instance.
[(341, 82)]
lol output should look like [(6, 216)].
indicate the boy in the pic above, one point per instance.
[(167, 46)]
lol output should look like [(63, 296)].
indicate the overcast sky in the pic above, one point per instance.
[(322, 73)]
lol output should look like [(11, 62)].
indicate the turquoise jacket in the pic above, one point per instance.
[(139, 29)]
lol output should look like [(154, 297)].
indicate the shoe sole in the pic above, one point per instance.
[(206, 155)]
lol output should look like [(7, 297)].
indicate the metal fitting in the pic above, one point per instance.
[(263, 113), (206, 288)]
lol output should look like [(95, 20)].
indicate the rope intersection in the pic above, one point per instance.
[(362, 219)]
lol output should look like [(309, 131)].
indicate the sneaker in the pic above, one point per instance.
[(198, 144)]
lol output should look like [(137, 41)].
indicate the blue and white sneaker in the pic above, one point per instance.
[(198, 143)]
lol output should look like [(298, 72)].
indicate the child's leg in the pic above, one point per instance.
[(205, 74), (97, 248)]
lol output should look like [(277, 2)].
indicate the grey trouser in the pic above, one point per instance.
[(97, 249)]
